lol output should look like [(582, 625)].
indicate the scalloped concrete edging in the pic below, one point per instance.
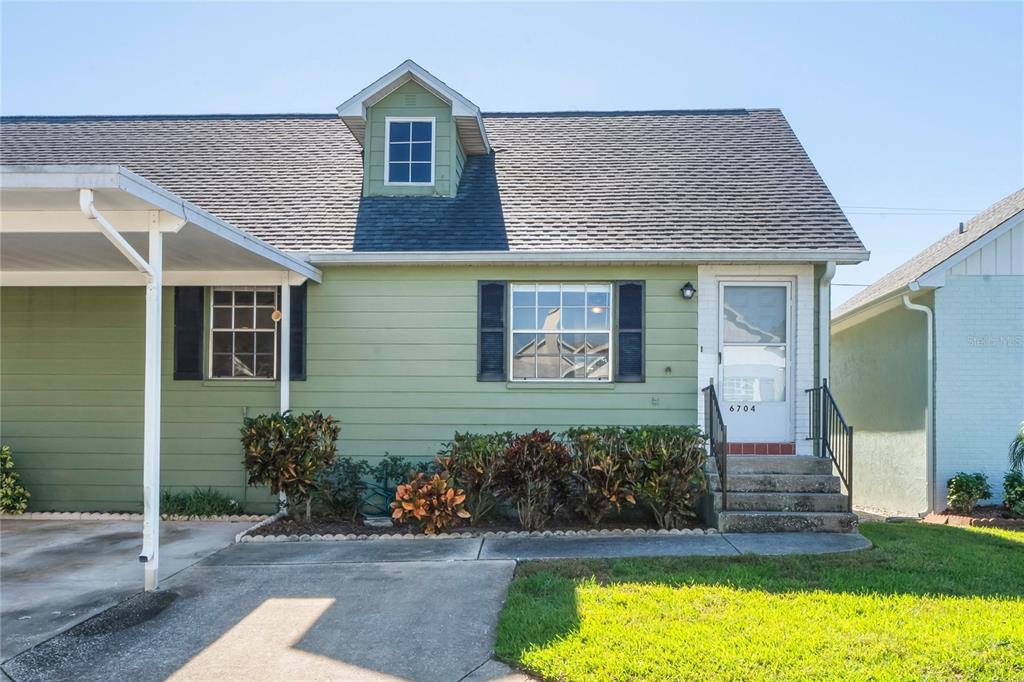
[(131, 516), (244, 537), (268, 520)]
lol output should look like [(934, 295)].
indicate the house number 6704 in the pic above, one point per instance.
[(743, 408)]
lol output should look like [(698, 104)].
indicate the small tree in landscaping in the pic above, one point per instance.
[(287, 452), (470, 459), (965, 490), (532, 474), (13, 495), (1017, 450), (667, 471)]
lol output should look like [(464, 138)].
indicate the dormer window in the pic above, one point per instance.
[(409, 150)]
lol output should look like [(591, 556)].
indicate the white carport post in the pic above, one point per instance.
[(151, 445), (286, 358)]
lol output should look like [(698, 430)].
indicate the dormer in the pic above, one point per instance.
[(416, 133)]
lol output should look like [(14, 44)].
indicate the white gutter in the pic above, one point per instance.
[(648, 256), (824, 320), (929, 430)]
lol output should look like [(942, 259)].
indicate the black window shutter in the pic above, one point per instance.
[(188, 333), (491, 361), (298, 332), (629, 331)]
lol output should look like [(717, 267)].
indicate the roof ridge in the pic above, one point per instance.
[(160, 117), (228, 116)]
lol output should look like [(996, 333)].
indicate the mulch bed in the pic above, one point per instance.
[(335, 526), (990, 516)]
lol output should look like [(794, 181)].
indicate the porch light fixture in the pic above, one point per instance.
[(687, 291)]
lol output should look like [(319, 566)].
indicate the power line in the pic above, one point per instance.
[(905, 210)]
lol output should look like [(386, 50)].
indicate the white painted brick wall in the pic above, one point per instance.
[(979, 381)]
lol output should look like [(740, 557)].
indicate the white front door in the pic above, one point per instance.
[(755, 335)]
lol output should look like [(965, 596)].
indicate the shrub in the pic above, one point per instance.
[(288, 451), (198, 502), (1013, 492), (430, 501), (470, 460), (341, 486), (667, 470), (965, 490), (600, 471), (13, 495), (532, 473), (1017, 450)]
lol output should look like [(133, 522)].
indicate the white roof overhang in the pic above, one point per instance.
[(46, 239), (469, 122)]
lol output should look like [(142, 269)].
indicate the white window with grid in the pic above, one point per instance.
[(243, 333), (561, 332)]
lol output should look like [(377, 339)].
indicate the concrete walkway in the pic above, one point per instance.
[(525, 548)]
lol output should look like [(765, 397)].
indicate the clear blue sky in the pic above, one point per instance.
[(908, 105)]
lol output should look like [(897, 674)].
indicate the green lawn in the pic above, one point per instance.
[(927, 603)]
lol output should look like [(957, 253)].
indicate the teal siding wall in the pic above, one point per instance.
[(411, 99), (71, 362), (879, 379), (391, 353)]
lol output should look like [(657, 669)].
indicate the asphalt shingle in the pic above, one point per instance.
[(674, 180)]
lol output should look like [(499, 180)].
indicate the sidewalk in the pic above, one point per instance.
[(529, 548)]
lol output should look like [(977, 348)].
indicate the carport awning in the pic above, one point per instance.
[(47, 240), (106, 226)]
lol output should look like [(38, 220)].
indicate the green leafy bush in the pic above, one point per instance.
[(600, 470), (13, 495), (1013, 491), (667, 470), (392, 469), (430, 501), (341, 486), (965, 490), (533, 474), (470, 460), (288, 451), (198, 502)]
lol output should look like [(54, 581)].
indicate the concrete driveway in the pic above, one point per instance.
[(55, 574), (299, 615)]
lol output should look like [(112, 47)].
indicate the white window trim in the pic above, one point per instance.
[(611, 337), (388, 120), (212, 329)]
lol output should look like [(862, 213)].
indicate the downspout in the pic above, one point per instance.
[(152, 271), (825, 319), (929, 423), (85, 202)]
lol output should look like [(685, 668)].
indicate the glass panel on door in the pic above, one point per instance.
[(755, 361)]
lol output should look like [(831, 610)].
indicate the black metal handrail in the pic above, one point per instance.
[(718, 440), (833, 437)]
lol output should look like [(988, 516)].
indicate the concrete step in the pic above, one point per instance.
[(777, 483), (786, 522), (778, 464), (785, 502)]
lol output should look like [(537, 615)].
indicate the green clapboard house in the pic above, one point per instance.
[(410, 265)]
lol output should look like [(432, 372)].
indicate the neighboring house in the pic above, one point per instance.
[(448, 270), (951, 317)]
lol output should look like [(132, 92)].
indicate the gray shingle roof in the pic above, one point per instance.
[(954, 242), (625, 181)]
